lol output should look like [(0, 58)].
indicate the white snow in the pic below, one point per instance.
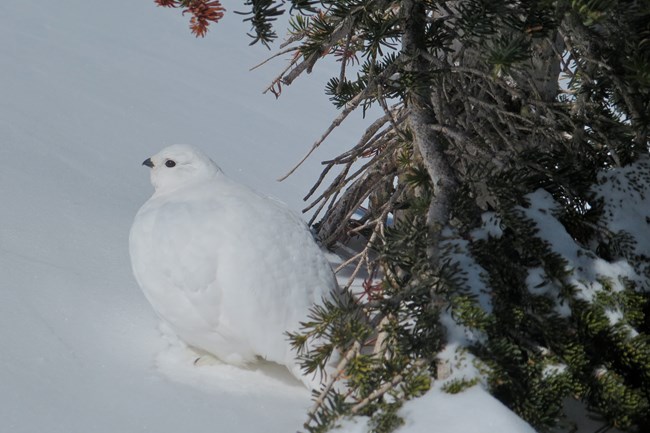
[(624, 191), (586, 269), (470, 411), (88, 90), (491, 227), (178, 363)]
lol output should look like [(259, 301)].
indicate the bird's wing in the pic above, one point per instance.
[(174, 256)]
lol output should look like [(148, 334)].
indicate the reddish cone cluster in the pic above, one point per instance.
[(203, 12)]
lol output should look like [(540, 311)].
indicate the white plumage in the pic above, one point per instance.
[(230, 271)]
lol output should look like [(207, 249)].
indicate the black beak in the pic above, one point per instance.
[(148, 162)]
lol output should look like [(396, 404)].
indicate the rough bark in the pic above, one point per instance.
[(421, 115)]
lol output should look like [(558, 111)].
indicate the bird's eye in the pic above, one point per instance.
[(169, 163)]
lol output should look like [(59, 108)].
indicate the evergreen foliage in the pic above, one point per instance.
[(508, 185)]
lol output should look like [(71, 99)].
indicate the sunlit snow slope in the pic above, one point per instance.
[(88, 90)]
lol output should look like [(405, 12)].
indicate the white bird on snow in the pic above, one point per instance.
[(230, 271)]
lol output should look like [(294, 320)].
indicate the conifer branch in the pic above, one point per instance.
[(387, 386), (338, 372), (378, 393), (344, 60)]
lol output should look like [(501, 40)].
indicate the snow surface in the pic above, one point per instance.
[(88, 90), (470, 411), (438, 411)]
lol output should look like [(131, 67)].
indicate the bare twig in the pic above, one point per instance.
[(277, 80), (340, 368), (344, 60), (278, 54), (365, 139), (378, 230), (305, 65), (381, 343), (349, 108)]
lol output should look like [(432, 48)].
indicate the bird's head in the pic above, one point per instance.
[(180, 165)]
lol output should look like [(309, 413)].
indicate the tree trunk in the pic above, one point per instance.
[(421, 115)]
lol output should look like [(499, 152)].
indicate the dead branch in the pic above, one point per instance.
[(349, 108), (277, 80), (278, 54)]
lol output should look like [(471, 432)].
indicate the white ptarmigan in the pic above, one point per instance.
[(230, 271)]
